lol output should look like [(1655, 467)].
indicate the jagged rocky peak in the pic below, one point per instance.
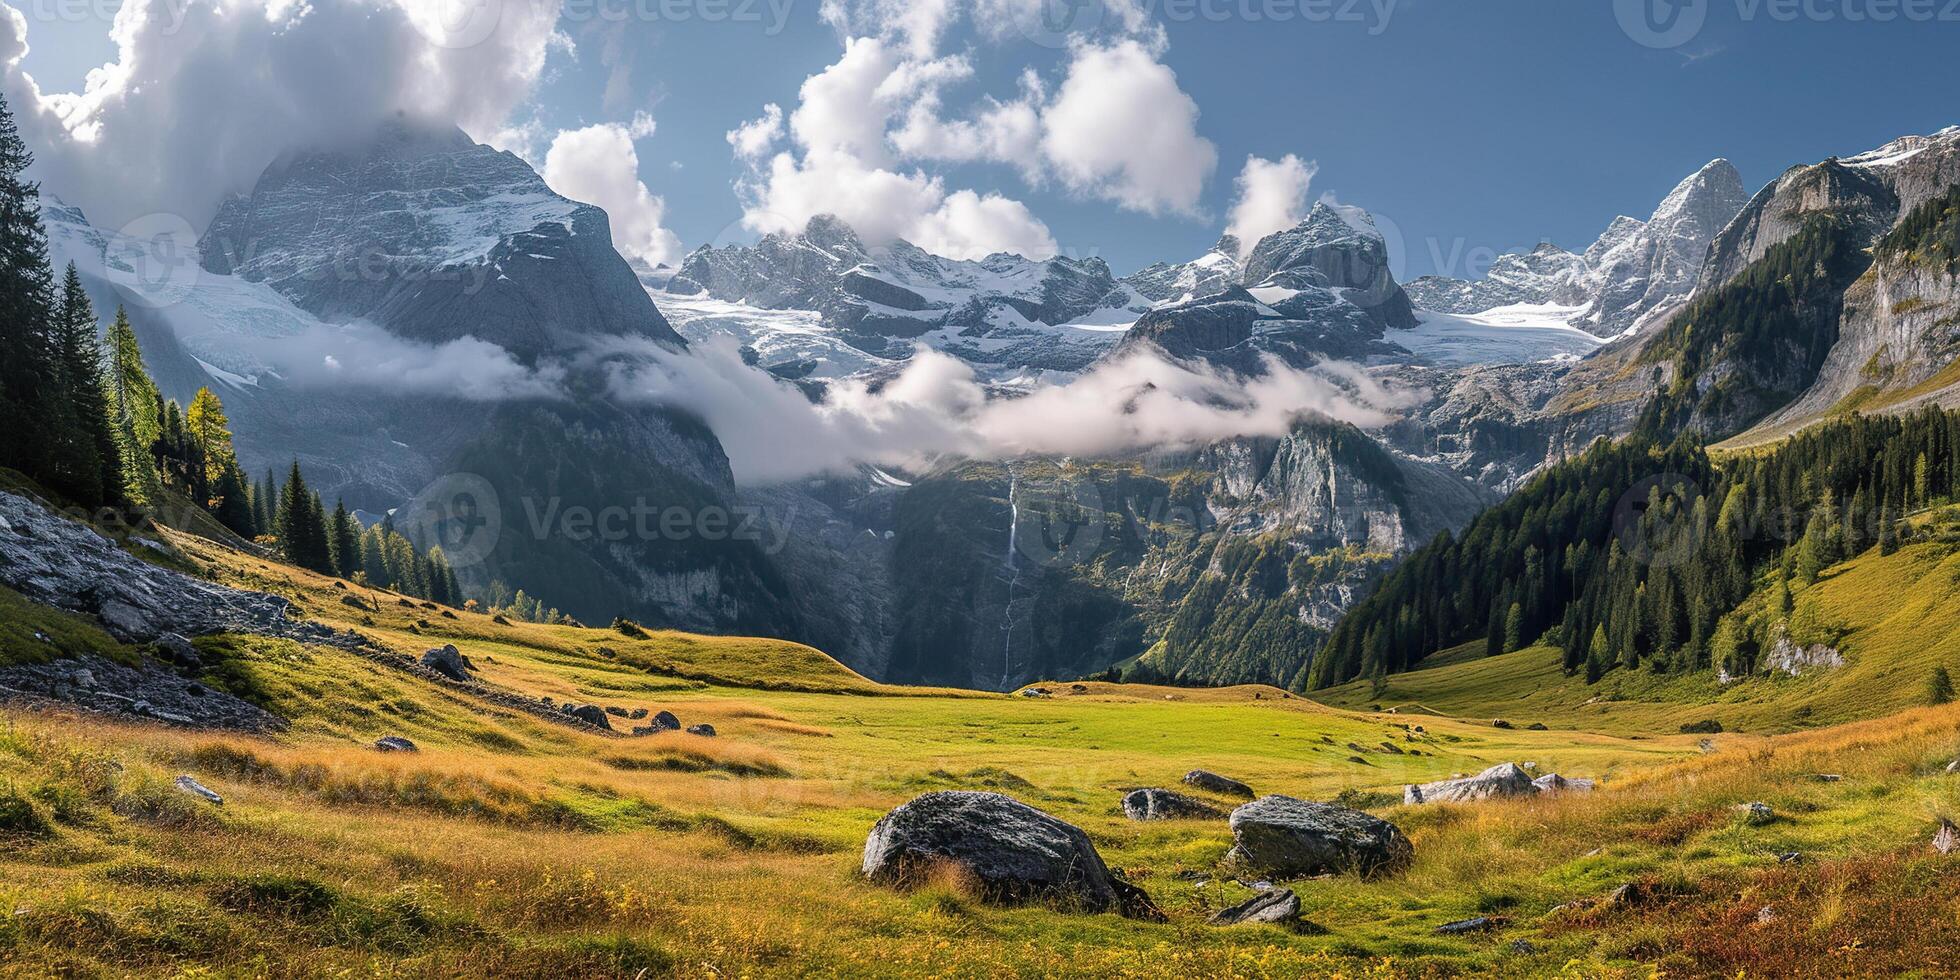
[(1209, 274), (1336, 247), (1640, 268), (436, 237)]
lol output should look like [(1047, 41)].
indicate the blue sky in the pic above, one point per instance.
[(1474, 127)]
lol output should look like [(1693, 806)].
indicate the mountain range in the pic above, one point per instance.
[(1224, 561)]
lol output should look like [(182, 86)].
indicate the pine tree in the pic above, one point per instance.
[(30, 368), (81, 357), (233, 506), (207, 424), (1514, 628), (343, 539), (1599, 655), (302, 525), (132, 405)]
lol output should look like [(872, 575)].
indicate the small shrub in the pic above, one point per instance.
[(1707, 726), (627, 628)]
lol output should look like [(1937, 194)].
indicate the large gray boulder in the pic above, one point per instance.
[(1013, 852), (449, 662), (1212, 782), (1162, 804), (1552, 784), (1283, 836), (1507, 780), (591, 714)]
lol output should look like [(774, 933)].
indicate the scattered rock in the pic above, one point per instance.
[(1482, 923), (1278, 906), (1010, 851), (352, 600), (1828, 777), (704, 730), (616, 711), (1757, 814), (638, 713), (1507, 780), (644, 729), (1537, 726), (1522, 948), (591, 714), (195, 788), (1947, 838), (1037, 692), (1499, 723), (1630, 894), (1552, 783), (1789, 857), (394, 743), (449, 662), (147, 691), (1212, 782), (1288, 837), (666, 722), (1163, 804), (1078, 688), (1765, 915)]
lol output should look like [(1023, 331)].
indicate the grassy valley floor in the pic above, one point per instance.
[(515, 846)]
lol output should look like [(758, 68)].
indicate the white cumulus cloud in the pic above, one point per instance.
[(599, 165), (1120, 128), (204, 94), (1272, 197)]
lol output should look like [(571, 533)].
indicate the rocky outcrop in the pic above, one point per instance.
[(144, 691), (1506, 780), (1295, 838), (58, 562), (1337, 248), (1163, 804), (1009, 851)]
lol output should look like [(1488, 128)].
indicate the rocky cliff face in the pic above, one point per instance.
[(435, 237)]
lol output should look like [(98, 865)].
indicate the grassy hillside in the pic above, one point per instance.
[(511, 846)]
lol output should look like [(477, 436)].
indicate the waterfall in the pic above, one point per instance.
[(1013, 578)]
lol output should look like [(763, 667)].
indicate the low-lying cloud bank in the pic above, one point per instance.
[(937, 406)]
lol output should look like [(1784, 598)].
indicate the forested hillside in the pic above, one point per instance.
[(1637, 556)]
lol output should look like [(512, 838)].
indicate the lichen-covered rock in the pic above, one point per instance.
[(1011, 852), (704, 729), (146, 692), (665, 721), (1283, 836), (394, 743)]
